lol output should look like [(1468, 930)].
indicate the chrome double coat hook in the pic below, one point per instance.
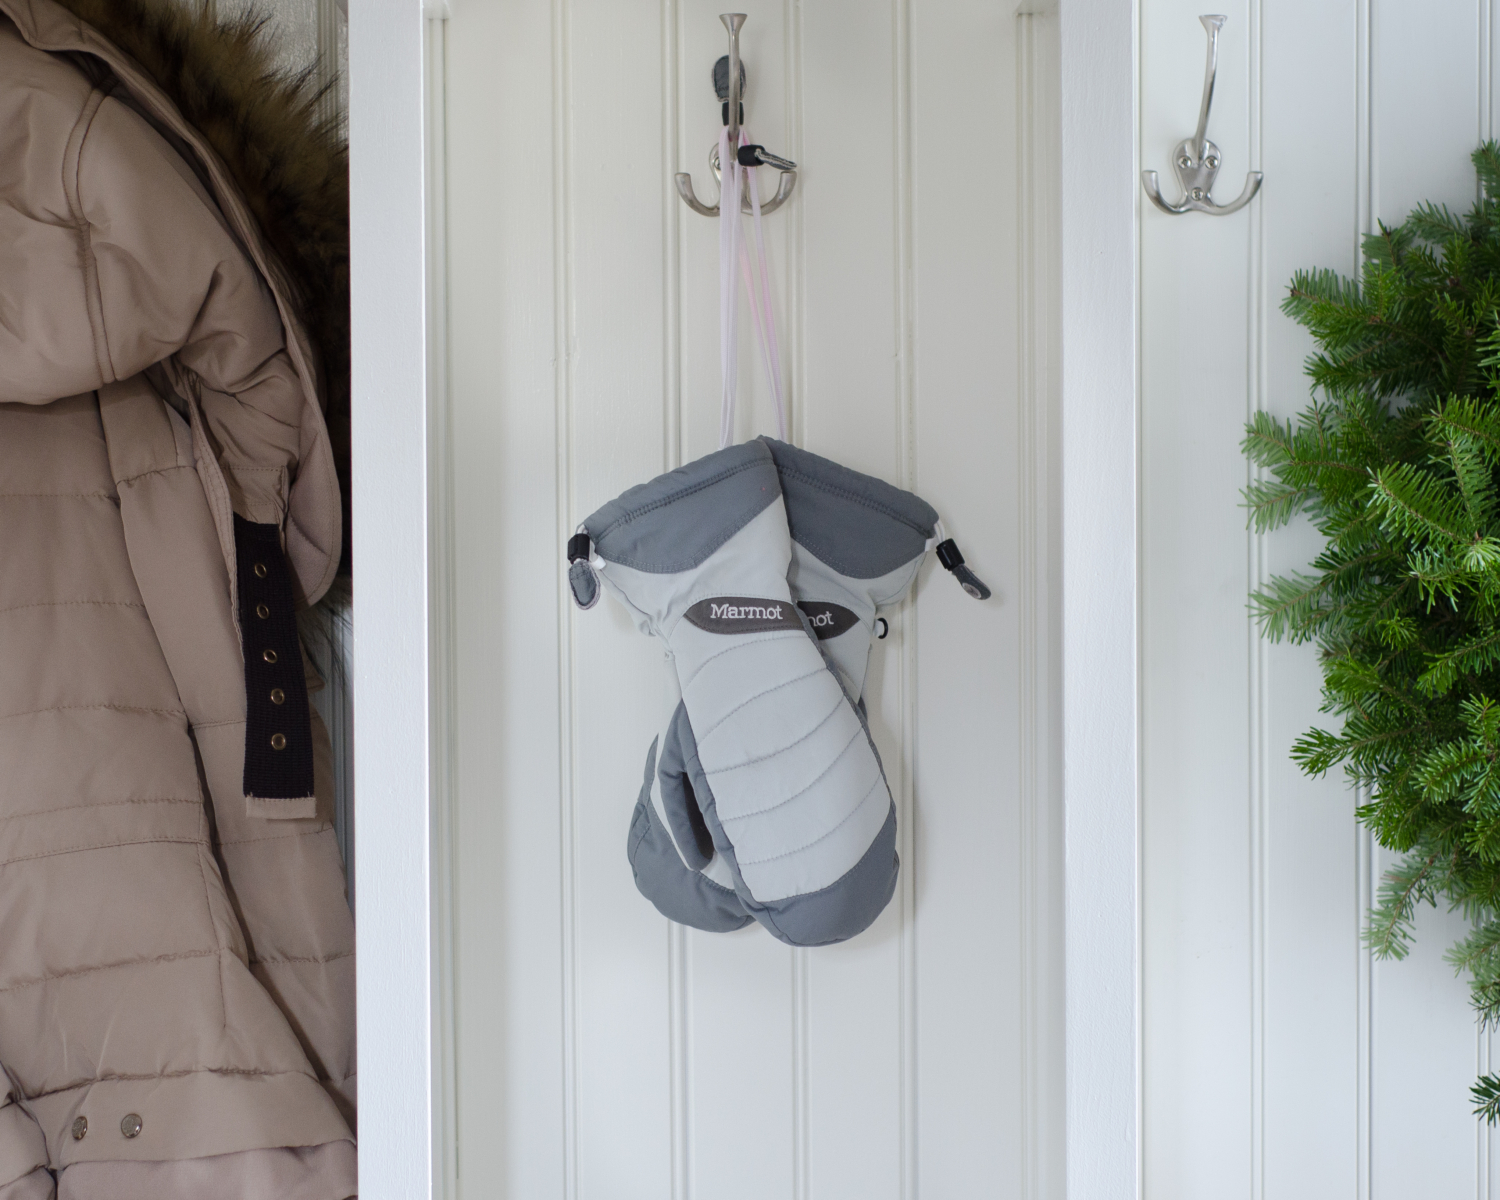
[(1196, 159), (729, 84)]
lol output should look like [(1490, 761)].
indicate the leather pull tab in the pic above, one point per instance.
[(583, 581), (278, 722), (948, 554)]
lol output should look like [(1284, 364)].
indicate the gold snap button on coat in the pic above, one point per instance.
[(262, 611), (80, 1127), (278, 696), (269, 656), (260, 570), (278, 741), (130, 1125)]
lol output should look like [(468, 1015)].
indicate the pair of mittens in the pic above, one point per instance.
[(762, 568)]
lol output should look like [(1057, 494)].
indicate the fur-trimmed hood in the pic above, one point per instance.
[(289, 162)]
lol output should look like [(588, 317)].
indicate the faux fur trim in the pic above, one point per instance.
[(291, 165)]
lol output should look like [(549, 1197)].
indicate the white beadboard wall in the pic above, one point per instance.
[(1279, 1059), (601, 1052)]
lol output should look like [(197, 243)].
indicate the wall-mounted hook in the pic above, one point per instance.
[(729, 86), (1196, 159)]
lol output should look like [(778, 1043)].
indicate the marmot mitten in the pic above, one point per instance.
[(857, 543), (786, 780)]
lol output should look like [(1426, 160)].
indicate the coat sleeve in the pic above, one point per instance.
[(23, 1154), (113, 258), (173, 281)]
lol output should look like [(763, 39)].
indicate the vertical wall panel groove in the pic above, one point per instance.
[(678, 985), (1026, 370), (1258, 698), (1364, 185), (906, 442), (1483, 12), (801, 1070), (794, 385), (793, 356), (1032, 600), (678, 973), (1483, 1137), (672, 210), (1482, 1131), (1364, 1017), (443, 596), (568, 715)]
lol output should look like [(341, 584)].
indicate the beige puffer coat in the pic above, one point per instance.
[(176, 957)]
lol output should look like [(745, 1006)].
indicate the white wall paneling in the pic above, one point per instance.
[(1279, 1060), (601, 1052)]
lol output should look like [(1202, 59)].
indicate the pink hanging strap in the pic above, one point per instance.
[(734, 257), (765, 316)]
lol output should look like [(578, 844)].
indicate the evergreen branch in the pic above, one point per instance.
[(1389, 932), (1486, 1096), (1288, 607), (1444, 771), (1468, 462), (1479, 953), (1486, 162), (1387, 247), (1273, 503), (1418, 505), (1436, 223), (1468, 417), (1267, 442), (1318, 286), (1317, 751), (1470, 657)]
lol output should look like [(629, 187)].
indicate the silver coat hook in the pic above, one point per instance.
[(1196, 159), (730, 89)]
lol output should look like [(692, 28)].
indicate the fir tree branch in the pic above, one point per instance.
[(1470, 657), (1486, 162), (1288, 607), (1273, 503), (1406, 884), (1486, 1096), (1418, 505)]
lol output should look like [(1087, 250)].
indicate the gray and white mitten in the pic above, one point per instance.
[(857, 543), (784, 774)]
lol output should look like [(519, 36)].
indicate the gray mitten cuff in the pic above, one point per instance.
[(857, 543)]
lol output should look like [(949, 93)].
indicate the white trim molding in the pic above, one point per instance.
[(390, 309), (1100, 636)]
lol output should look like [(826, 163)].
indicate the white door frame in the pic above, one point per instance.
[(393, 694), (1101, 777), (394, 305)]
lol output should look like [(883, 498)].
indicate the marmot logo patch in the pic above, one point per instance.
[(743, 614), (827, 619)]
